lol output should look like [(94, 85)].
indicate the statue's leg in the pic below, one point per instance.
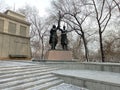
[(53, 47), (55, 42), (62, 46), (65, 46)]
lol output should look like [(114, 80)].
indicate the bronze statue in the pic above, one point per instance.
[(53, 33), (53, 37), (64, 40)]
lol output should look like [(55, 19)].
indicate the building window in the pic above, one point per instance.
[(1, 25), (22, 30), (12, 28)]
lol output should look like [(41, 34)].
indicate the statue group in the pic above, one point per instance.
[(54, 38)]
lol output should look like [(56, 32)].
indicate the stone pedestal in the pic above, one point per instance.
[(59, 55)]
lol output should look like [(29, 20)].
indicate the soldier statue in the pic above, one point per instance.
[(53, 37), (53, 33), (64, 40)]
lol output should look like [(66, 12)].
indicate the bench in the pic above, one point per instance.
[(17, 56)]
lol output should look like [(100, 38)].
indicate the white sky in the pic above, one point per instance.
[(41, 5)]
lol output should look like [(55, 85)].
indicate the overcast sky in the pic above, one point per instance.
[(42, 5)]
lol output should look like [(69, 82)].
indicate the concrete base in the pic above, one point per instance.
[(59, 55)]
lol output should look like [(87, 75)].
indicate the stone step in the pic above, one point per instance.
[(24, 80), (10, 79), (23, 67), (22, 70), (23, 77), (65, 86), (46, 85), (30, 84), (6, 63), (25, 73)]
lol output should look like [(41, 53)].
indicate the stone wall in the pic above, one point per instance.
[(14, 45)]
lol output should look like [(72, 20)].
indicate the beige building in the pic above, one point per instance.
[(14, 36)]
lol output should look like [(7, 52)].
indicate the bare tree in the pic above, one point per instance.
[(39, 28), (103, 12)]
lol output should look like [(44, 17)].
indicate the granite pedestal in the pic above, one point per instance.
[(59, 55)]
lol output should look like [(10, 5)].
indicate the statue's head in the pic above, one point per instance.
[(54, 26), (63, 27)]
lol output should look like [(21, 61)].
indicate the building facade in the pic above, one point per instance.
[(14, 36)]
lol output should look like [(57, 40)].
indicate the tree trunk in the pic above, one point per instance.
[(85, 46), (101, 46), (42, 54)]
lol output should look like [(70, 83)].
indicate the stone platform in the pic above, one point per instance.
[(93, 76), (59, 55)]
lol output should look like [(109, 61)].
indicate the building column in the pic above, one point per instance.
[(17, 29), (6, 25)]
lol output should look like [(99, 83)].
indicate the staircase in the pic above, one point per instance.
[(28, 77)]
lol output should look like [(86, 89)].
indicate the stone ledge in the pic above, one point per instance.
[(102, 63), (90, 79), (109, 67), (53, 61)]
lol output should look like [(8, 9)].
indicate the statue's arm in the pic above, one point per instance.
[(60, 17)]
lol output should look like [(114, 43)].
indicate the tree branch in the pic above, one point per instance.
[(107, 20), (117, 5), (101, 13)]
